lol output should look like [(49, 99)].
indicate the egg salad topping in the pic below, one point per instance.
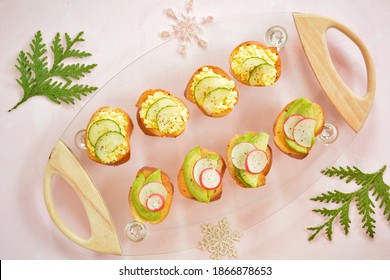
[(122, 122), (219, 105), (245, 52), (172, 122)]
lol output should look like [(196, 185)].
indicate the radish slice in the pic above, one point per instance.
[(149, 189), (256, 161), (155, 202), (304, 132), (201, 165), (210, 178), (290, 123), (239, 153)]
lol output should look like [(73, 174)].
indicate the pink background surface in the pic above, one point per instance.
[(119, 33)]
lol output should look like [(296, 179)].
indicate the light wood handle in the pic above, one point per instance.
[(312, 32), (103, 237)]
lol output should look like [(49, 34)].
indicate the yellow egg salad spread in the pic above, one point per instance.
[(213, 92), (163, 112), (255, 64), (107, 133)]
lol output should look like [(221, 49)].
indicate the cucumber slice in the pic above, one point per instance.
[(204, 86), (215, 97), (250, 63), (167, 117), (260, 72), (101, 127), (108, 143), (157, 106)]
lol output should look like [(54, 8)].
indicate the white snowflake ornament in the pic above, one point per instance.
[(219, 240), (186, 27)]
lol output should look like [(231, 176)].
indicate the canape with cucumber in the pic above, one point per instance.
[(107, 136), (212, 90), (255, 64), (160, 113)]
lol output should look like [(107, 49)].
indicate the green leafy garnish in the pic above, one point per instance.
[(37, 79), (371, 184)]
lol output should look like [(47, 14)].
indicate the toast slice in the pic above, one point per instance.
[(261, 180), (189, 94), (146, 171), (280, 136), (237, 76), (182, 184), (154, 131), (124, 126)]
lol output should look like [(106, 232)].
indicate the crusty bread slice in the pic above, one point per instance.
[(278, 64), (122, 158), (189, 94), (262, 176), (183, 188), (146, 171), (155, 131), (280, 136)]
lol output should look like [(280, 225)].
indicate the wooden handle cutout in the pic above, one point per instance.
[(312, 33), (103, 237)]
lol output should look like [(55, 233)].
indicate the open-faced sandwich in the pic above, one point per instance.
[(255, 64), (249, 159), (297, 126), (200, 176), (150, 196), (161, 114), (107, 136), (212, 90)]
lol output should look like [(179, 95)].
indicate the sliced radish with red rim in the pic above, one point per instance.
[(155, 202), (256, 161), (210, 178), (290, 123), (151, 188), (201, 165), (240, 152), (304, 132)]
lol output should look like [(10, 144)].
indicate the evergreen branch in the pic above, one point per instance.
[(370, 183), (36, 78)]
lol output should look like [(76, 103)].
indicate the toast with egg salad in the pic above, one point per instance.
[(212, 90), (255, 64), (160, 113), (297, 126), (150, 196), (249, 159), (200, 176), (107, 136)]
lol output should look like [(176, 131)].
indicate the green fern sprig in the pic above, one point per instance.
[(37, 79), (370, 184)]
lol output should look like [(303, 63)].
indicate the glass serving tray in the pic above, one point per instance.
[(256, 110)]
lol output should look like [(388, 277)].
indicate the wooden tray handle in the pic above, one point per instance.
[(103, 237), (312, 32)]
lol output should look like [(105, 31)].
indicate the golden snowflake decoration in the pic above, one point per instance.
[(219, 240), (186, 27)]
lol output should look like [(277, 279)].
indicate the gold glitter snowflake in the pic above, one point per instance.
[(219, 240), (186, 27)]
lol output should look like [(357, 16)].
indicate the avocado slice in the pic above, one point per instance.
[(304, 107), (138, 183), (261, 142), (190, 160)]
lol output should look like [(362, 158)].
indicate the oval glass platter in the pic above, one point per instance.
[(257, 109)]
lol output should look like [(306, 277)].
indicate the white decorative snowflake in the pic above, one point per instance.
[(219, 240), (186, 27)]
